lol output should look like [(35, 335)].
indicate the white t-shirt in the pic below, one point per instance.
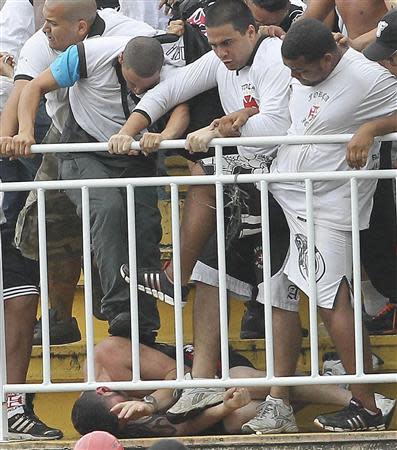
[(16, 25), (36, 56), (357, 91), (264, 82), (145, 10), (95, 92)]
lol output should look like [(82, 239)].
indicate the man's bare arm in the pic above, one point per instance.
[(319, 9), (363, 139), (27, 110)]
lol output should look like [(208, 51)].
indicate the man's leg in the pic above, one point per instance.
[(339, 322), (18, 311)]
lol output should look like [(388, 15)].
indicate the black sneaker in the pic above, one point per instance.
[(353, 418), (28, 426), (61, 331), (385, 322), (120, 325), (156, 284)]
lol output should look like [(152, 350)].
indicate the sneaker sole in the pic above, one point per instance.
[(341, 430), (175, 418), (30, 437), (246, 429)]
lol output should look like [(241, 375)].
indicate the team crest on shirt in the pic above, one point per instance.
[(249, 100), (198, 19), (303, 258), (311, 115)]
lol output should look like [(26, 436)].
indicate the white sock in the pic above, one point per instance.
[(373, 300), (15, 404)]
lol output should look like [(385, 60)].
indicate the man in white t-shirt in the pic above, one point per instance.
[(250, 77), (67, 22), (334, 91), (99, 74)]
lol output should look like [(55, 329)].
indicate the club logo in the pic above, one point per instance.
[(382, 25), (303, 258)]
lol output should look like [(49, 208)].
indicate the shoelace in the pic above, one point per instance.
[(265, 408)]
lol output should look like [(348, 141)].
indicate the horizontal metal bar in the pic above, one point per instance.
[(197, 180), (211, 382), (180, 143)]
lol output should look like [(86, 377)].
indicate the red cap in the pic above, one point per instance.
[(98, 440)]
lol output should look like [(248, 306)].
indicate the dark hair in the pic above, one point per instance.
[(168, 444), (144, 55), (90, 413), (233, 12), (271, 5), (309, 38)]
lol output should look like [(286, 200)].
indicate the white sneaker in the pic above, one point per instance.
[(193, 401), (273, 416), (386, 405)]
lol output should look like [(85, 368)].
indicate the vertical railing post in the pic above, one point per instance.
[(220, 229), (3, 357), (312, 278), (85, 211), (358, 329), (132, 261), (43, 286), (176, 266), (267, 293)]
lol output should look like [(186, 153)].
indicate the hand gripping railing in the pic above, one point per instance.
[(218, 180)]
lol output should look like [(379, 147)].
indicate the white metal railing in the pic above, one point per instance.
[(218, 180)]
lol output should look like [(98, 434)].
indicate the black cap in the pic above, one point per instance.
[(386, 38)]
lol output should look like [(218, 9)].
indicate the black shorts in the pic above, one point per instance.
[(20, 274), (244, 253)]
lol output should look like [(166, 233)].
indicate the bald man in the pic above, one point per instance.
[(67, 22)]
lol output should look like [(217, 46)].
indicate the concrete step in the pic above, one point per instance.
[(386, 440)]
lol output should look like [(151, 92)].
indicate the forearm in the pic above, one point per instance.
[(9, 115), (135, 124), (319, 9), (28, 107), (177, 123), (164, 399), (379, 127), (207, 419), (360, 42)]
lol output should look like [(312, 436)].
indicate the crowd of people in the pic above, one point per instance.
[(148, 71)]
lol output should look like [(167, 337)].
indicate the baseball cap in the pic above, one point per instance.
[(386, 38), (98, 440)]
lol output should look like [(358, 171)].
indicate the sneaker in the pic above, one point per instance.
[(272, 416), (61, 331), (386, 405), (156, 284), (353, 418), (385, 322), (28, 426), (193, 402), (253, 321)]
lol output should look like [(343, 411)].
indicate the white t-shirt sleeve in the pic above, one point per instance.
[(185, 83), (16, 25), (35, 57), (272, 81)]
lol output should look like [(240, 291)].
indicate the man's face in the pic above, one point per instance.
[(264, 17), (60, 32), (310, 73), (136, 84), (232, 48)]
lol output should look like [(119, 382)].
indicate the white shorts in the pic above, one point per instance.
[(284, 294), (333, 254)]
